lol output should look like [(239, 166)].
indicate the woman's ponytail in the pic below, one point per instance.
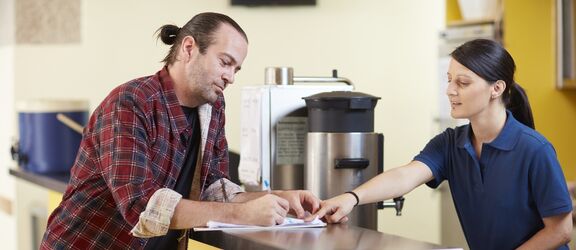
[(519, 106)]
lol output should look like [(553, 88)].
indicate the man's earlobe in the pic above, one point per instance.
[(187, 46)]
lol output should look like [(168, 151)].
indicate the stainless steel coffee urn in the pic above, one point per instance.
[(342, 150)]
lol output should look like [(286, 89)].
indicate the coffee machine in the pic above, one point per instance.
[(343, 151), (274, 125)]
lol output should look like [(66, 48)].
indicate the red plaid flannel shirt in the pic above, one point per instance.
[(135, 143)]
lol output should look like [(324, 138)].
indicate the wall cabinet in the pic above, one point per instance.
[(565, 44)]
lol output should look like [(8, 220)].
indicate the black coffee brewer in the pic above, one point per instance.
[(342, 150)]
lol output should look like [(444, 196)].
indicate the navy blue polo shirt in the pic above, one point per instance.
[(502, 197)]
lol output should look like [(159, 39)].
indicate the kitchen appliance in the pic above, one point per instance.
[(46, 144), (342, 150), (273, 128)]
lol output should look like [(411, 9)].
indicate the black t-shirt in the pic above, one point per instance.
[(184, 182)]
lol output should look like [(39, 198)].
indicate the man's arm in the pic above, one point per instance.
[(556, 232), (299, 201), (120, 137), (266, 210), (167, 210)]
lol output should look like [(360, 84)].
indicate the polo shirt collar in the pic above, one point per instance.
[(463, 138), (175, 110), (509, 135), (506, 140)]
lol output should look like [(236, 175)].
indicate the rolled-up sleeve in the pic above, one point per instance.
[(222, 190), (155, 220)]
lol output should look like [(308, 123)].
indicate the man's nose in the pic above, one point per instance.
[(228, 77)]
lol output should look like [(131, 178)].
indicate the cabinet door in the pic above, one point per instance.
[(31, 214), (565, 44)]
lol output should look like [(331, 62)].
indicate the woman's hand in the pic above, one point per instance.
[(336, 209)]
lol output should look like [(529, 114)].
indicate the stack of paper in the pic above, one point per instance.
[(288, 223)]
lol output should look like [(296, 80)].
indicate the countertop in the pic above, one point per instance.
[(334, 236), (55, 182)]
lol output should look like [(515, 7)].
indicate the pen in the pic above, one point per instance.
[(267, 186), (223, 184)]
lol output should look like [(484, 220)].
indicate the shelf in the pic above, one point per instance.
[(459, 23), (56, 182)]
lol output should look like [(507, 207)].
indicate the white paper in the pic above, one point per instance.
[(288, 223), (250, 152)]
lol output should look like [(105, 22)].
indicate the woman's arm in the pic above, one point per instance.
[(556, 232), (390, 184)]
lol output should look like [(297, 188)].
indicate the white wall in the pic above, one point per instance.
[(387, 48), (7, 184)]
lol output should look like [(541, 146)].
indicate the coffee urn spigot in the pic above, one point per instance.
[(397, 203)]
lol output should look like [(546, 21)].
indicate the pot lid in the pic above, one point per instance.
[(342, 100), (339, 95)]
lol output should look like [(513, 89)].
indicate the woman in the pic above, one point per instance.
[(506, 182)]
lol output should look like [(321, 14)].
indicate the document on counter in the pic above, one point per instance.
[(288, 223)]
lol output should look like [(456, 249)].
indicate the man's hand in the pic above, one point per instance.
[(300, 201), (335, 210), (267, 210)]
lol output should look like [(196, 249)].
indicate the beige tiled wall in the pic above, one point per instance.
[(48, 22)]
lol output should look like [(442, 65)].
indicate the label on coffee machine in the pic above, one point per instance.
[(290, 140)]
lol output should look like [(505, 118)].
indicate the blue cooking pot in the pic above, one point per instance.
[(49, 134)]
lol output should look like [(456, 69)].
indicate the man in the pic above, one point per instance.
[(153, 161)]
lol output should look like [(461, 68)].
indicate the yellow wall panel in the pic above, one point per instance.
[(192, 244), (529, 35), (452, 11), (54, 199)]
